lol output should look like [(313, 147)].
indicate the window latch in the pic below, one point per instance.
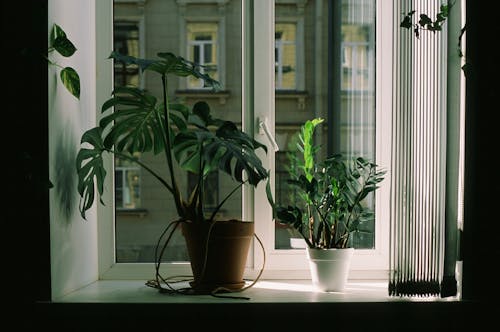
[(264, 129)]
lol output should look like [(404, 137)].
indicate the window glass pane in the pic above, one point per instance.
[(144, 207), (202, 40), (126, 41), (356, 108), (285, 36), (127, 185)]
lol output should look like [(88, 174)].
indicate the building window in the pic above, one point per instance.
[(127, 185), (126, 41), (202, 49), (285, 56), (357, 51)]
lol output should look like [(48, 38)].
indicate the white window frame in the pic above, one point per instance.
[(290, 263), (366, 264)]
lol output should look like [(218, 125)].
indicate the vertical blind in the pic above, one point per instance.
[(418, 177)]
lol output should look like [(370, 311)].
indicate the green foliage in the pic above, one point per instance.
[(331, 193), (425, 22), (190, 139), (61, 44), (71, 81)]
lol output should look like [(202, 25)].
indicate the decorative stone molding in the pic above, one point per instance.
[(299, 95), (204, 94)]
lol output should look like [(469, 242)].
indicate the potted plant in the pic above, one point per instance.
[(330, 206), (192, 141)]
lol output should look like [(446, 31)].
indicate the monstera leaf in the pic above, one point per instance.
[(90, 168), (136, 124), (228, 149), (169, 64), (234, 152)]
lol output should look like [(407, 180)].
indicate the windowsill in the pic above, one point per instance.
[(273, 305), (264, 291)]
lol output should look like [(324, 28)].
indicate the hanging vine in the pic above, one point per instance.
[(426, 23), (62, 45)]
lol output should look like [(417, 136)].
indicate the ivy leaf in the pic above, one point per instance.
[(61, 43), (425, 20), (71, 81), (406, 23), (64, 46), (444, 10)]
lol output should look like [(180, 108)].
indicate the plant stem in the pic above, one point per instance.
[(201, 186), (212, 216), (168, 149), (138, 162), (52, 62), (311, 225)]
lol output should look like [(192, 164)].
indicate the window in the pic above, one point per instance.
[(98, 255), (197, 36), (202, 49), (299, 62), (127, 185), (126, 41), (357, 51), (285, 55)]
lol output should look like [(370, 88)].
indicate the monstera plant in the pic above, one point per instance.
[(192, 140)]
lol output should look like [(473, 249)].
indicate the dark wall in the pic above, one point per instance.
[(24, 121), (481, 247)]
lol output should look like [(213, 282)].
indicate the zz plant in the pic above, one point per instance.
[(331, 194)]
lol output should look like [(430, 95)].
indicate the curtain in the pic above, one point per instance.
[(425, 157)]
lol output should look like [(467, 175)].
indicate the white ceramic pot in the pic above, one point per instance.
[(329, 268)]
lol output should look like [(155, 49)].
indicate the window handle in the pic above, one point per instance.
[(264, 129)]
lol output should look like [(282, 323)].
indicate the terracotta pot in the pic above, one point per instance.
[(329, 268), (228, 245)]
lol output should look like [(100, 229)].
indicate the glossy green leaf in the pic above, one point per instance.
[(406, 22), (60, 42), (169, 64), (64, 46), (134, 125), (90, 169), (71, 81)]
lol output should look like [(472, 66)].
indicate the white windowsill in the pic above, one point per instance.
[(264, 291)]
